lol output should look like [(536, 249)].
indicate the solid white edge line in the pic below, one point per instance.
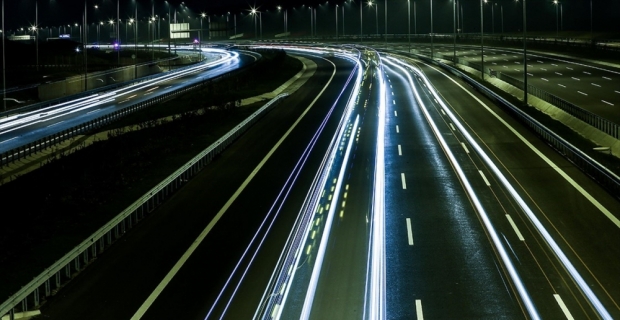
[(402, 178), (409, 232), (177, 266), (567, 313), (514, 226), (418, 309), (486, 181)]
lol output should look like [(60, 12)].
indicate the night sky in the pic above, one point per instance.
[(541, 14)]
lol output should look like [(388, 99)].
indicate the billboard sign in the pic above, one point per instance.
[(179, 30)]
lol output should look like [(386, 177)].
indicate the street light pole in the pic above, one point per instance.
[(385, 30), (524, 55), (36, 25), (432, 45), (415, 19), (482, 39), (409, 23), (454, 27), (3, 61), (557, 22), (336, 11), (361, 21)]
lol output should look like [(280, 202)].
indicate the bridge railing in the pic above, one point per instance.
[(53, 278)]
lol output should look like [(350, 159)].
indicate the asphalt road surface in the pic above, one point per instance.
[(116, 285)]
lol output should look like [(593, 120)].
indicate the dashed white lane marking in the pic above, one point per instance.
[(409, 232), (585, 94), (452, 127), (586, 72), (543, 69), (397, 129), (404, 182), (594, 84), (569, 68), (486, 181), (561, 85), (567, 313), (544, 79), (606, 78), (575, 78), (395, 113), (559, 74), (465, 147), (609, 103), (400, 150), (418, 309), (514, 227)]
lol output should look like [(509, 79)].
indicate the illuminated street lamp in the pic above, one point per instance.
[(557, 21)]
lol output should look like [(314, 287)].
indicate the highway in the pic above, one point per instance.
[(591, 86), (544, 182), (147, 254), (24, 128), (384, 189)]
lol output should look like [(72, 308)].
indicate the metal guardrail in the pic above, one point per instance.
[(607, 126), (46, 142), (598, 172), (64, 269)]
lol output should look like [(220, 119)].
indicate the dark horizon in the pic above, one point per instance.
[(541, 16)]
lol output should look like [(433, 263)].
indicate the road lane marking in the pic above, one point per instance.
[(606, 78), (397, 130), (616, 91), (569, 68), (553, 64), (418, 309), (452, 127), (465, 147), (402, 178), (609, 103), (9, 139), (444, 113), (400, 150), (561, 85), (559, 73), (586, 72), (486, 181), (409, 232), (529, 74), (395, 113), (93, 111), (575, 78), (517, 70), (594, 84), (393, 101), (514, 226), (543, 69), (545, 79), (540, 61), (567, 313), (55, 124), (585, 94), (177, 266)]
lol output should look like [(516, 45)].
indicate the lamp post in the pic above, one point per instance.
[(3, 61), (454, 27), (482, 39), (202, 16), (524, 55), (557, 21), (409, 24), (385, 30), (371, 4), (415, 18), (361, 22), (253, 12), (432, 46), (336, 11)]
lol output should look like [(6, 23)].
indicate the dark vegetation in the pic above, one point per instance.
[(54, 208)]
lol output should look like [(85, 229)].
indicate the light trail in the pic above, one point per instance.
[(524, 295), (587, 291)]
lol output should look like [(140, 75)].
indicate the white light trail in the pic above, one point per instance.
[(602, 311), (524, 295)]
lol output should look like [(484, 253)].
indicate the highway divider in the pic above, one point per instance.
[(63, 270), (607, 179), (51, 140)]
